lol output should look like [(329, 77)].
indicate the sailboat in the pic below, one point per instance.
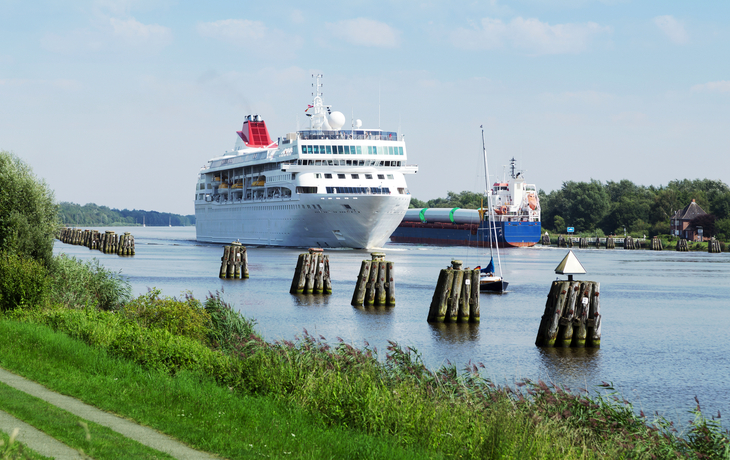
[(488, 279)]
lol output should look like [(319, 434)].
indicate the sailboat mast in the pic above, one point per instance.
[(492, 227)]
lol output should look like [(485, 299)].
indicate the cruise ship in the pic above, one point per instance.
[(324, 186)]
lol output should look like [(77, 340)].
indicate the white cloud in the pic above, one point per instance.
[(366, 32), (713, 86), (531, 35), (672, 28), (135, 33), (235, 30)]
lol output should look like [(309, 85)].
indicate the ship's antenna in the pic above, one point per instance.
[(378, 104)]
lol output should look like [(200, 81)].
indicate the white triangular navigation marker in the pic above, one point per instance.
[(570, 266)]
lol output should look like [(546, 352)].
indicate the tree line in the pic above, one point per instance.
[(618, 207), (90, 214)]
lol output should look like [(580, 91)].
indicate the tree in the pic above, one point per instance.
[(28, 213)]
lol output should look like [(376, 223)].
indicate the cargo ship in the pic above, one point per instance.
[(516, 219)]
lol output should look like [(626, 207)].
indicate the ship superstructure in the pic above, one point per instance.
[(323, 186)]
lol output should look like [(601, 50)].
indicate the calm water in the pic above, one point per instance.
[(666, 315)]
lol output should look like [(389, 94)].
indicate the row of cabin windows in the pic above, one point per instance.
[(348, 163), (354, 176), (360, 190), (352, 149)]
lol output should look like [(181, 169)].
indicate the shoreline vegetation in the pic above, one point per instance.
[(92, 215), (199, 371), (193, 369)]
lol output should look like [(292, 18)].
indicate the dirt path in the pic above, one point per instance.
[(40, 442)]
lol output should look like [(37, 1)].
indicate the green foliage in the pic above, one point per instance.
[(228, 327), (23, 282), (75, 284), (91, 214), (185, 318), (465, 200), (28, 214)]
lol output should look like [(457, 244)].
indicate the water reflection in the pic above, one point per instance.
[(455, 333), (376, 311), (310, 300), (570, 366)]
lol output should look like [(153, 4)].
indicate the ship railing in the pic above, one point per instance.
[(349, 134)]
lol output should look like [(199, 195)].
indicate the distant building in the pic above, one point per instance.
[(680, 223)]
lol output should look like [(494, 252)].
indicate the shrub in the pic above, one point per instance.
[(75, 284), (28, 214), (186, 317), (23, 282), (228, 326)]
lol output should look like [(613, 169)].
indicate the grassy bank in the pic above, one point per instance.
[(188, 405), (209, 384)]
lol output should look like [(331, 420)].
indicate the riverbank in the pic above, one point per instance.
[(308, 399)]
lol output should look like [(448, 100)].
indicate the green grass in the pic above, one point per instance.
[(187, 406), (14, 450), (94, 440), (229, 394)]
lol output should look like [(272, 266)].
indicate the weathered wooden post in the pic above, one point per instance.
[(456, 297), (561, 242), (713, 246), (629, 243), (312, 274), (545, 239), (358, 297), (682, 245), (223, 273), (572, 314), (583, 243), (610, 243), (656, 244), (375, 282)]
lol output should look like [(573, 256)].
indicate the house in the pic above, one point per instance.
[(680, 223)]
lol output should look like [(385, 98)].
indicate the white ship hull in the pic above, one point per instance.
[(301, 223)]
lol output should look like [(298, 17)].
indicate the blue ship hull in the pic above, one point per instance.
[(509, 234)]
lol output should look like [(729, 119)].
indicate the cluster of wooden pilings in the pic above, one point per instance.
[(656, 244), (682, 245), (108, 242), (312, 275), (610, 243), (234, 263), (713, 246), (375, 283), (456, 297), (572, 316)]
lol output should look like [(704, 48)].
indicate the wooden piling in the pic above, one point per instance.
[(312, 274), (456, 296), (545, 240), (358, 297), (561, 242), (713, 246), (456, 289), (682, 245), (629, 243), (390, 287), (572, 316), (439, 304), (610, 243), (656, 244), (583, 243), (593, 323)]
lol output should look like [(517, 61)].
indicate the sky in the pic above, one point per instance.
[(120, 102)]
